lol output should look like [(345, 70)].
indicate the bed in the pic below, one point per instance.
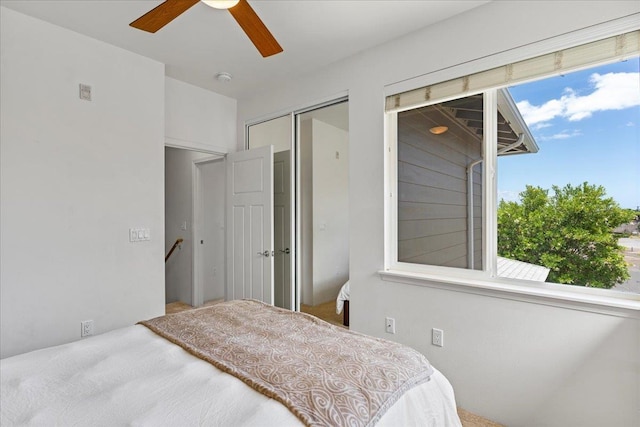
[(342, 303), (153, 374)]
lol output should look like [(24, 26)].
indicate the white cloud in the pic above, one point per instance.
[(611, 91), (630, 124), (565, 134), (534, 114), (541, 125)]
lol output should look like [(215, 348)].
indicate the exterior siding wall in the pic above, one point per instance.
[(432, 191)]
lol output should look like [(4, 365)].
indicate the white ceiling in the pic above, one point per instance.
[(204, 41)]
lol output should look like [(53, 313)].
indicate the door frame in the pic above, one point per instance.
[(197, 288)]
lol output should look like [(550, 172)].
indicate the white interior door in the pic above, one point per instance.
[(283, 297), (250, 225)]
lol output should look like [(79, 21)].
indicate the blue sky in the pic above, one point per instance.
[(587, 125)]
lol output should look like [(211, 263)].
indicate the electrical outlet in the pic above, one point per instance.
[(437, 337), (390, 325), (86, 328)]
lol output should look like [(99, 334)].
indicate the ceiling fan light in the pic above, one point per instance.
[(221, 4), (438, 130)]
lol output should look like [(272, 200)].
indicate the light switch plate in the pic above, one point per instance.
[(139, 234), (85, 92)]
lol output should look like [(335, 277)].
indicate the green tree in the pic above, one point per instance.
[(570, 232)]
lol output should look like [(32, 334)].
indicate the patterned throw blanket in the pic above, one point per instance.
[(325, 375)]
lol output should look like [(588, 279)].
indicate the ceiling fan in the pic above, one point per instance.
[(243, 13)]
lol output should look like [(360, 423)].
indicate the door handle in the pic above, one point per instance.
[(285, 251), (265, 253)]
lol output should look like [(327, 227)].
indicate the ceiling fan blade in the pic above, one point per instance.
[(161, 15), (255, 29)]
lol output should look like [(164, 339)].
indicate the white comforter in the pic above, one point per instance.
[(131, 376)]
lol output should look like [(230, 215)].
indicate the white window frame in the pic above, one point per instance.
[(486, 282)]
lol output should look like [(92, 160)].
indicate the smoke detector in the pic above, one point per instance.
[(224, 77)]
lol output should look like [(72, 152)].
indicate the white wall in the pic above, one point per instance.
[(330, 210), (75, 176), (276, 132), (519, 363), (199, 119)]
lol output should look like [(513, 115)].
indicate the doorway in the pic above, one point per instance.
[(194, 189)]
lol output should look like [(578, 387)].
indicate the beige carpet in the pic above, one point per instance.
[(327, 312), (472, 420)]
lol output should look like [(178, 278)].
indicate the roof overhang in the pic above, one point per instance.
[(514, 136), (509, 110)]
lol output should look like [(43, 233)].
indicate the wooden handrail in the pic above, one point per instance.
[(173, 248)]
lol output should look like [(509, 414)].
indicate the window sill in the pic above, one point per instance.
[(584, 299)]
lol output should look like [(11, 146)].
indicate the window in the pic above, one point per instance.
[(557, 208), (447, 140)]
